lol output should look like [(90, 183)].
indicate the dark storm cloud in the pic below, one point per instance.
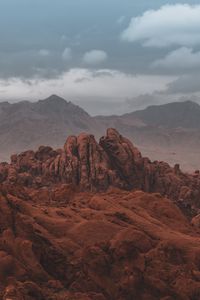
[(79, 44), (187, 84)]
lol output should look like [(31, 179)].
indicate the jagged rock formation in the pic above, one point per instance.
[(168, 132), (92, 166), (74, 224)]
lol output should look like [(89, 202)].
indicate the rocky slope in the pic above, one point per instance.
[(78, 223), (58, 244)]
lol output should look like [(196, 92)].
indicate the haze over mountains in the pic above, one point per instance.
[(169, 132), (27, 125)]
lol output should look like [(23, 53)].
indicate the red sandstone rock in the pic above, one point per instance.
[(75, 224), (114, 162), (114, 245)]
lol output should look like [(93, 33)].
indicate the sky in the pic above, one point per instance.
[(108, 56)]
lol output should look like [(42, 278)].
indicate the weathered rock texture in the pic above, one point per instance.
[(57, 244), (92, 166), (76, 225)]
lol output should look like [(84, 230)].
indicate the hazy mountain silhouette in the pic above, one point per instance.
[(25, 125), (168, 132), (172, 115)]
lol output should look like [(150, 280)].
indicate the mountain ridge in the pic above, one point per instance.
[(27, 125), (176, 114)]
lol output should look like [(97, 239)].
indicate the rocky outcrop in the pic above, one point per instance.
[(97, 221), (56, 244), (92, 166)]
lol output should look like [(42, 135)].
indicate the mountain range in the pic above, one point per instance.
[(169, 132)]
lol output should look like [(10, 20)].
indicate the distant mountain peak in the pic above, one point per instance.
[(191, 103), (55, 99), (184, 103), (180, 104), (184, 114)]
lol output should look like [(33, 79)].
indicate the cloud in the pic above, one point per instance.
[(121, 20), (170, 25), (179, 59), (67, 54), (157, 98), (95, 57), (83, 84), (186, 84), (144, 100), (44, 52), (64, 38)]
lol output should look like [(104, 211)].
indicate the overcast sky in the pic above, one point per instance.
[(109, 56)]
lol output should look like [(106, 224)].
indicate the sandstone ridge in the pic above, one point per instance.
[(92, 166)]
